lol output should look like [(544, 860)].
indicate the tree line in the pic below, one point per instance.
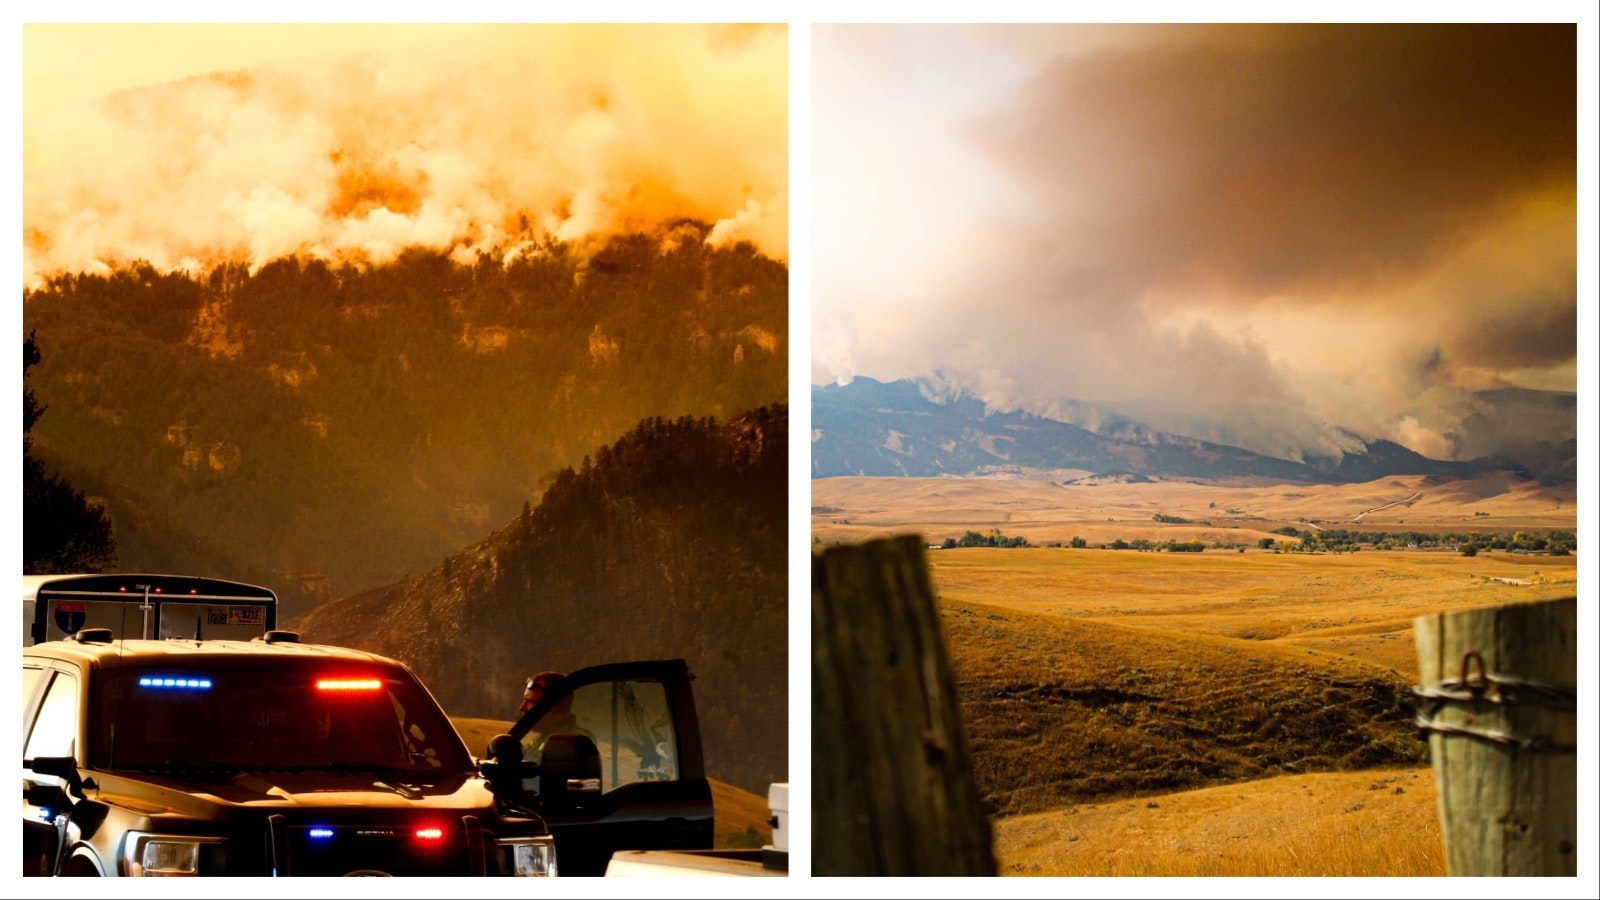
[(1555, 541), (62, 531)]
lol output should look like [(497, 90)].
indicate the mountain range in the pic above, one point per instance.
[(913, 427)]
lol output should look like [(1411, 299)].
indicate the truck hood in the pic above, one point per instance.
[(202, 796)]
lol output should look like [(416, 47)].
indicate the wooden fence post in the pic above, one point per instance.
[(892, 785), (1499, 703)]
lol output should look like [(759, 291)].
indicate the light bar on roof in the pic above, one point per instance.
[(175, 682), (348, 684)]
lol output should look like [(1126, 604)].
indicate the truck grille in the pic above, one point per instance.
[(429, 849)]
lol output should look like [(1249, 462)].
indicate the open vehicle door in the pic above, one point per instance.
[(615, 763)]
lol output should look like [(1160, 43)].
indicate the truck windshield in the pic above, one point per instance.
[(188, 716)]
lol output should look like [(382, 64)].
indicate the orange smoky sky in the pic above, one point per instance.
[(1257, 234), (182, 145)]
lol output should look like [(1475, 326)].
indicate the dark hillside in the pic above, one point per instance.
[(669, 543)]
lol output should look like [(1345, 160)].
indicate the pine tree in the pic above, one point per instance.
[(61, 531)]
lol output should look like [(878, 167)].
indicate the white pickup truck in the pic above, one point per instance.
[(611, 759)]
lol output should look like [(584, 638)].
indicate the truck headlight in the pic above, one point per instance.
[(531, 857), (154, 855)]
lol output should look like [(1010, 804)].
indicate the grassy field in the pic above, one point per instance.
[(1359, 606), (854, 509), (1380, 823), (1216, 713), (741, 817)]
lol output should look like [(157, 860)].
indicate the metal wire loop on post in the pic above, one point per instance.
[(1492, 688)]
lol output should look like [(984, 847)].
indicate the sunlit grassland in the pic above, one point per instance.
[(1358, 605), (1360, 824), (1233, 710), (855, 509), (1221, 713)]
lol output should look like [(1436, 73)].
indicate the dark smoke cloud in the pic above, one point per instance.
[(1543, 334), (1294, 158), (1262, 235)]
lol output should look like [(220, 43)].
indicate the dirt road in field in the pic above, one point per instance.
[(1409, 500)]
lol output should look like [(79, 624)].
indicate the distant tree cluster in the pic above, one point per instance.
[(1170, 546), (1556, 542), (1171, 520), (992, 539)]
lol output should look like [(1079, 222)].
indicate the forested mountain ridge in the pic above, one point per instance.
[(669, 543), (325, 429)]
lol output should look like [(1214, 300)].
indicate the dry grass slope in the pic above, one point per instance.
[(1357, 824), (1359, 606), (1063, 711)]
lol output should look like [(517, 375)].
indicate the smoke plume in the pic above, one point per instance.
[(460, 138)]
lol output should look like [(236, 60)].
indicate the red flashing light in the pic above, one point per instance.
[(429, 834), (348, 684)]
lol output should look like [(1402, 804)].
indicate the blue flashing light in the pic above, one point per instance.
[(318, 833), (191, 684)]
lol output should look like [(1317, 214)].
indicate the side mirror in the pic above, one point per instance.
[(49, 796), (503, 748), (63, 767), (504, 767), (569, 770)]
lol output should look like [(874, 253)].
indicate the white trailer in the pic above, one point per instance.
[(145, 606)]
